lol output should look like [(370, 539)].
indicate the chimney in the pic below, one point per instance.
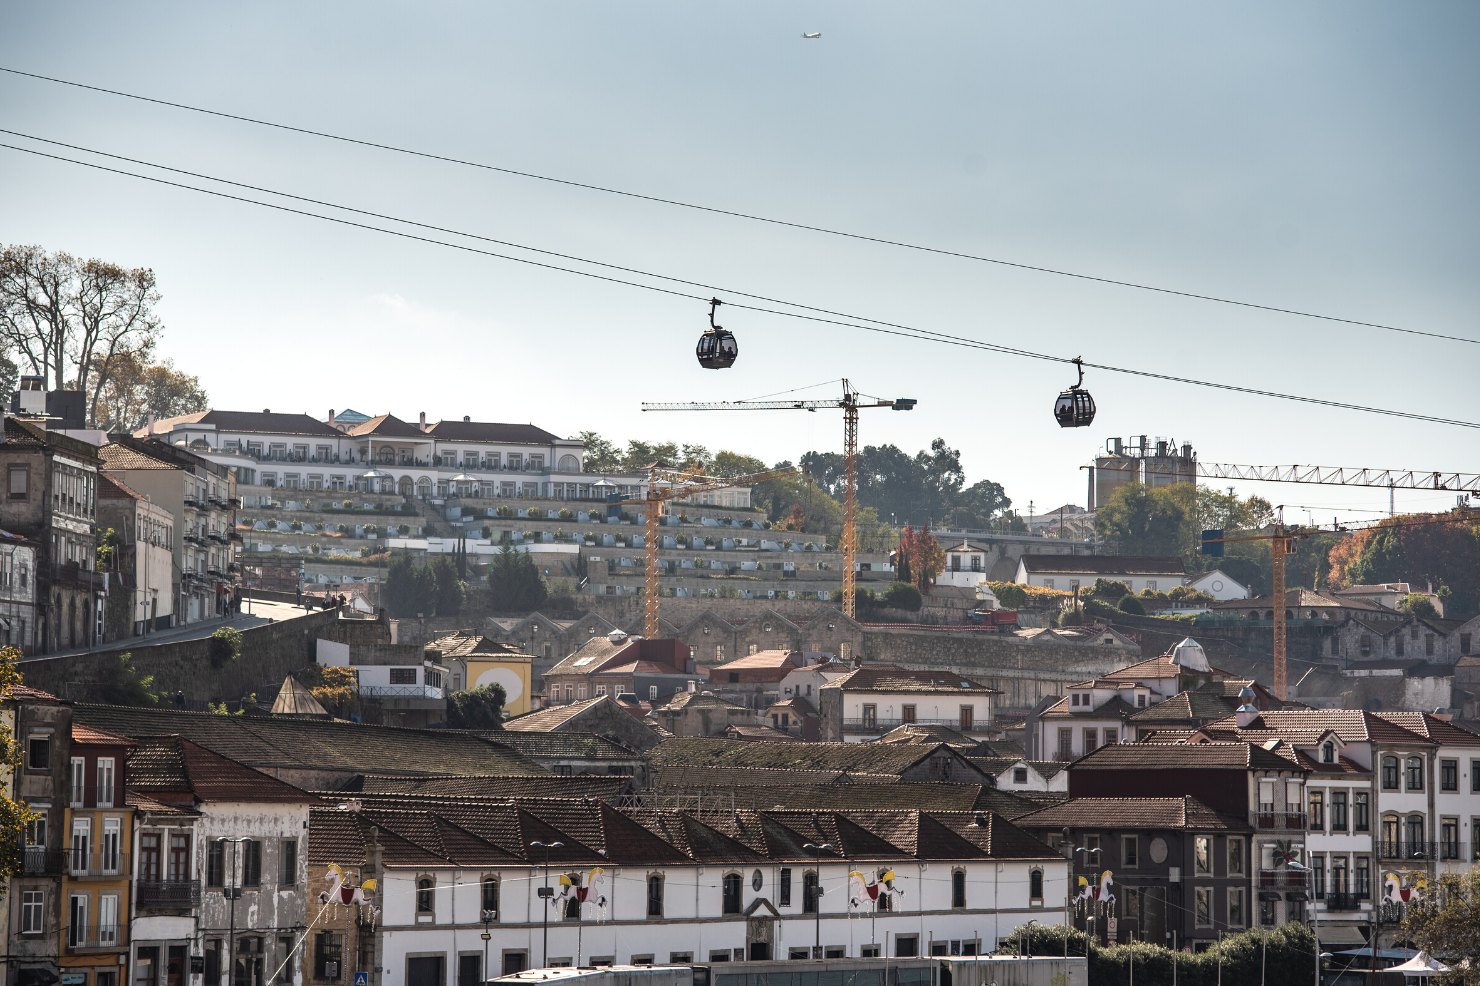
[(423, 421), (693, 687), (151, 422), (331, 417), (466, 418), (1245, 714)]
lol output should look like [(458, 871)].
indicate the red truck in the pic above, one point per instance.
[(997, 620)]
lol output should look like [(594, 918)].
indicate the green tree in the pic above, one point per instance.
[(451, 591), (601, 455), (477, 708), (728, 464), (13, 814), (121, 684), (410, 588), (225, 646), (1437, 548), (1418, 604), (515, 582), (1448, 923), (640, 455), (1140, 520)]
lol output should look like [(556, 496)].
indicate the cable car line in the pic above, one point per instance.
[(862, 237), (885, 328)]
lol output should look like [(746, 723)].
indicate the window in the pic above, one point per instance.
[(1415, 773), (328, 952), (288, 863), (1317, 813), (1140, 699), (1020, 775), (785, 894), (105, 782), (425, 895), (1129, 851), (81, 844), (1235, 907), (1266, 913), (79, 775), (1361, 820), (906, 946), (870, 716), (967, 714), (403, 676), (108, 849), (213, 962), (731, 890), (1338, 875), (1066, 743), (1449, 838), (1091, 739), (1362, 877), (1151, 584), (958, 888), (1389, 773), (251, 863), (906, 713), (652, 693), (1415, 833), (38, 753), (1338, 811), (1110, 736), (33, 909), (1449, 775), (1202, 854), (1074, 698), (1475, 776), (1328, 752), (1203, 906), (1235, 857), (77, 919), (1035, 885), (179, 859), (809, 892), (215, 865), (1318, 875), (1048, 583), (20, 482)]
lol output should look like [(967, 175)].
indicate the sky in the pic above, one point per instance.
[(1316, 156)]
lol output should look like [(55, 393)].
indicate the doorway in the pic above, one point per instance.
[(424, 970)]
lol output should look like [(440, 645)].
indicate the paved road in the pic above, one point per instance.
[(262, 613)]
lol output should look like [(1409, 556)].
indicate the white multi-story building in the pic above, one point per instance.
[(644, 886), (876, 698)]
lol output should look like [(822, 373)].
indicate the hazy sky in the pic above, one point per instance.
[(1318, 156)]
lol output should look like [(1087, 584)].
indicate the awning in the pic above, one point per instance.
[(1342, 935), (35, 977), (1422, 964), (1269, 895), (1296, 895)]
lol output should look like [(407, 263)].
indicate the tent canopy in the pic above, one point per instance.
[(1422, 964)]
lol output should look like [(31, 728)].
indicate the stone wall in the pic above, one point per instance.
[(269, 654)]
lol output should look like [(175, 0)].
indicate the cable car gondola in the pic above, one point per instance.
[(717, 349), (1075, 408)]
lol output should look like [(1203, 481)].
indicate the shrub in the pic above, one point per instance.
[(487, 533), (346, 504), (565, 513), (272, 523), (903, 595), (341, 529), (505, 512), (594, 516), (1009, 594), (404, 530), (1132, 605), (365, 552), (123, 685), (296, 525), (1108, 589), (560, 534), (372, 530), (534, 512), (709, 540), (225, 646), (626, 518)]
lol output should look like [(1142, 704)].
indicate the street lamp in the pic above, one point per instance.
[(817, 895), (546, 893), (488, 917), (1028, 935), (231, 893)]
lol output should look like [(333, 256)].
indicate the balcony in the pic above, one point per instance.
[(1296, 879), (402, 691), (168, 894), (95, 936), (1344, 902), (1412, 850), (881, 726), (1267, 818), (83, 866), (191, 501), (38, 861)]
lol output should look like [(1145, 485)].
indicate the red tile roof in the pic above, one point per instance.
[(113, 488), (170, 765), (34, 694), (87, 734), (761, 659), (1140, 813)]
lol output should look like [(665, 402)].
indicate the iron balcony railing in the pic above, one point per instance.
[(95, 935), (40, 861), (1267, 818), (102, 864), (885, 725), (1344, 902), (168, 894), (1408, 850), (402, 691)]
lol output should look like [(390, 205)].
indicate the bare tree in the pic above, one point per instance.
[(69, 319), (133, 389)]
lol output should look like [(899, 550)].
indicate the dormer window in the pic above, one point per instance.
[(1141, 701), (1328, 752)]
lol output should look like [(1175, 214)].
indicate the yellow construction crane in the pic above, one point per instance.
[(851, 405), (666, 483)]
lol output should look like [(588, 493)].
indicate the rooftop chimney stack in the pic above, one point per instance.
[(423, 421)]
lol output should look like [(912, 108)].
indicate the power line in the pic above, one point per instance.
[(844, 320), (862, 237)]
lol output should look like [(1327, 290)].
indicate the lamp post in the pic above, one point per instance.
[(488, 917), (546, 893), (1028, 935), (231, 893), (817, 895)]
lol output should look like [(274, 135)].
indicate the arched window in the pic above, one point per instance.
[(1035, 885), (490, 898), (569, 463), (958, 888), (1328, 752), (732, 893), (809, 892), (1415, 837), (655, 894), (1389, 773), (424, 895), (1415, 773), (424, 487)]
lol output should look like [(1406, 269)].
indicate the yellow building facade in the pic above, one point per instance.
[(475, 661), (96, 861)]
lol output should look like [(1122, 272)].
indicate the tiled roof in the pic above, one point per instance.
[(274, 742), (586, 746), (1304, 727), (761, 659), (463, 644), (113, 488), (916, 734), (893, 678), (592, 655), (488, 788), (1183, 706), (1171, 756), (1157, 667), (118, 456), (696, 700), (797, 705), (1301, 599), (386, 426), (1131, 813), (1112, 708), (767, 734), (1431, 727), (259, 421), (1104, 565), (551, 716), (23, 434), (87, 734), (169, 767), (489, 431), (861, 757), (144, 803), (27, 693)]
